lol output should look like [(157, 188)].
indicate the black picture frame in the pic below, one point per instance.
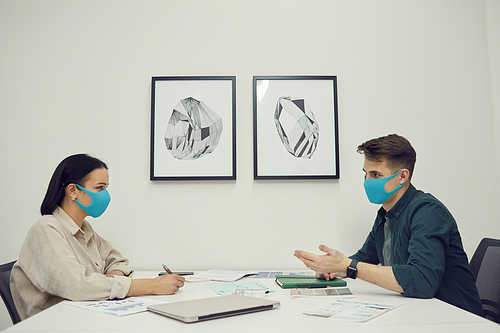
[(193, 128), (295, 131)]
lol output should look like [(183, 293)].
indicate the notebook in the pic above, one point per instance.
[(213, 307), (286, 282)]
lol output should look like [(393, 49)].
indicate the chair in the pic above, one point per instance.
[(485, 265), (5, 291)]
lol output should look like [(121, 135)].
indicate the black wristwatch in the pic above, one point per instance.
[(352, 271)]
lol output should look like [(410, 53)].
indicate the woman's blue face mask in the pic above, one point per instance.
[(99, 203), (375, 189)]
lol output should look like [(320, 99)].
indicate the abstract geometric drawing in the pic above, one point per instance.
[(193, 130), (297, 127)]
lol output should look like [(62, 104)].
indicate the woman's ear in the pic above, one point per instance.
[(71, 191)]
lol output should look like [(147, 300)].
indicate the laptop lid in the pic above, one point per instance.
[(213, 307)]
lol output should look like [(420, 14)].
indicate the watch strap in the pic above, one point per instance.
[(352, 270)]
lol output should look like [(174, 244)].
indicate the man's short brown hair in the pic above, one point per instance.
[(393, 148)]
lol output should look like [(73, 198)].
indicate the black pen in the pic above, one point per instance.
[(167, 269)]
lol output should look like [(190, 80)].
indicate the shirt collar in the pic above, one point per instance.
[(68, 222), (399, 207)]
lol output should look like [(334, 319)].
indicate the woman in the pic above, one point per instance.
[(63, 258)]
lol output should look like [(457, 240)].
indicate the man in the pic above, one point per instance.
[(415, 239)]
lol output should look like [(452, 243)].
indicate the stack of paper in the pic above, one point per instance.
[(349, 310), (221, 275)]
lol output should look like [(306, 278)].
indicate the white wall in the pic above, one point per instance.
[(493, 14), (75, 77)]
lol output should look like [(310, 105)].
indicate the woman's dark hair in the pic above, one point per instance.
[(73, 169)]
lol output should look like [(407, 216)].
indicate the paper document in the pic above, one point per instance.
[(226, 288), (221, 275), (272, 274), (321, 293), (121, 307), (349, 310)]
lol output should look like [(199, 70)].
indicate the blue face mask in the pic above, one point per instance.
[(99, 203), (375, 189)]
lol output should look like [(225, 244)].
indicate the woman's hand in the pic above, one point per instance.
[(167, 284)]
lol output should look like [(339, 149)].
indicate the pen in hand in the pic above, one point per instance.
[(166, 269), (170, 272)]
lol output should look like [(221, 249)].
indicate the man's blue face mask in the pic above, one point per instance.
[(100, 201), (375, 189)]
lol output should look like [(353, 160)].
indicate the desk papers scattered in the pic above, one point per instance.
[(221, 275), (226, 288), (120, 307), (321, 293), (349, 310), (272, 274)]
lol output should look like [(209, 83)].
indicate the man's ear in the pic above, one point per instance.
[(404, 176)]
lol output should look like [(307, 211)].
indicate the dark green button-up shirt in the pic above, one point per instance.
[(427, 252)]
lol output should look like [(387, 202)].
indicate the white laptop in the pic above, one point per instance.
[(213, 307)]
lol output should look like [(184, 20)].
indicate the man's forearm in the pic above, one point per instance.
[(381, 276)]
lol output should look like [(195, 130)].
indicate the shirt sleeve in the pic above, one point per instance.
[(421, 274), (50, 264), (112, 258)]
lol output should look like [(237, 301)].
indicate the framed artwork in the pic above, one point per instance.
[(295, 121), (193, 128)]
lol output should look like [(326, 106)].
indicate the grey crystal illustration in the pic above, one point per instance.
[(297, 127), (193, 130)]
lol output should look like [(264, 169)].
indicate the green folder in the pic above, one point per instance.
[(302, 281)]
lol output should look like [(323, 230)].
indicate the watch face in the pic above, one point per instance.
[(352, 272)]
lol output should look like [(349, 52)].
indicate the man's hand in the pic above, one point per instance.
[(329, 265), (325, 276), (334, 263)]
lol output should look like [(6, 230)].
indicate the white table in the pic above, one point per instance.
[(416, 315)]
